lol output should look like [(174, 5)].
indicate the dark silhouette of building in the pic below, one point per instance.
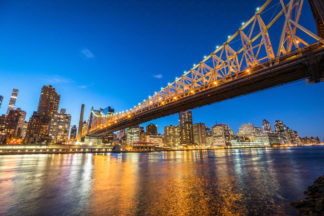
[(73, 133), (1, 98), (151, 129)]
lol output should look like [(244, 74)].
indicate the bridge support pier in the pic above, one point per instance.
[(315, 68)]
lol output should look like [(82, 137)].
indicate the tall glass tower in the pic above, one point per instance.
[(13, 99)]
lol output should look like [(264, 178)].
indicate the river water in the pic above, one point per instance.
[(219, 182)]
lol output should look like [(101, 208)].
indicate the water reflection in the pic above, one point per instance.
[(220, 182)]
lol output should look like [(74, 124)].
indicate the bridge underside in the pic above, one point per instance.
[(317, 7), (309, 64)]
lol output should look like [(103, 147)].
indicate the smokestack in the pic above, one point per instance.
[(80, 124)]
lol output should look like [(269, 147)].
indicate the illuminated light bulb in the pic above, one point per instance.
[(248, 70), (194, 65), (205, 57), (257, 9), (217, 47), (215, 83), (192, 91), (243, 23), (229, 36)]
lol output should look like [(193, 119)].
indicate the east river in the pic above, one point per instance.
[(256, 181)]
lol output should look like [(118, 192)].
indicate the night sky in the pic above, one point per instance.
[(118, 53)]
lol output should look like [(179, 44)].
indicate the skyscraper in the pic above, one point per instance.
[(73, 132), (15, 123), (172, 135), (33, 129), (1, 98), (221, 135), (133, 135), (199, 133), (59, 127), (266, 126), (12, 101), (151, 129), (48, 103), (38, 127), (186, 132)]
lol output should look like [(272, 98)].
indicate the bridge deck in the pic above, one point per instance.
[(304, 63)]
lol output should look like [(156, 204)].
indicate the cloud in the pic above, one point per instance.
[(87, 53), (57, 80), (158, 76), (83, 86)]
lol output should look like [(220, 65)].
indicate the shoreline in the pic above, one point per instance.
[(19, 150)]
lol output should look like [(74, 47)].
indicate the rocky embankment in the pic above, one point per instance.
[(313, 204)]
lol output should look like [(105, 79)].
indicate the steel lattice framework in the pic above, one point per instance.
[(226, 63)]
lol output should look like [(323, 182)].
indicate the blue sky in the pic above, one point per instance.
[(118, 53)]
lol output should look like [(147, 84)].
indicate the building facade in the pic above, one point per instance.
[(199, 134), (186, 130), (1, 98), (133, 135), (38, 127), (59, 127), (12, 101), (73, 133), (151, 129), (172, 135), (221, 135)]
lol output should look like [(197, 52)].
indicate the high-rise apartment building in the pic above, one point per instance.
[(1, 98), (73, 133), (186, 132), (59, 127), (48, 103), (221, 135), (38, 127), (266, 126), (172, 135), (279, 126), (133, 135), (151, 129), (15, 123), (246, 130), (199, 134), (3, 124), (12, 101), (33, 129)]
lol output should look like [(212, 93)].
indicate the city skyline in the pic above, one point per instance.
[(176, 122), (89, 71)]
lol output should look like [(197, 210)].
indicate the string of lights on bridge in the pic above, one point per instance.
[(225, 64)]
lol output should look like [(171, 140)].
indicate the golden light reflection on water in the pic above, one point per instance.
[(220, 182)]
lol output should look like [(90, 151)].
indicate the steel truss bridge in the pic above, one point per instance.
[(245, 63)]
